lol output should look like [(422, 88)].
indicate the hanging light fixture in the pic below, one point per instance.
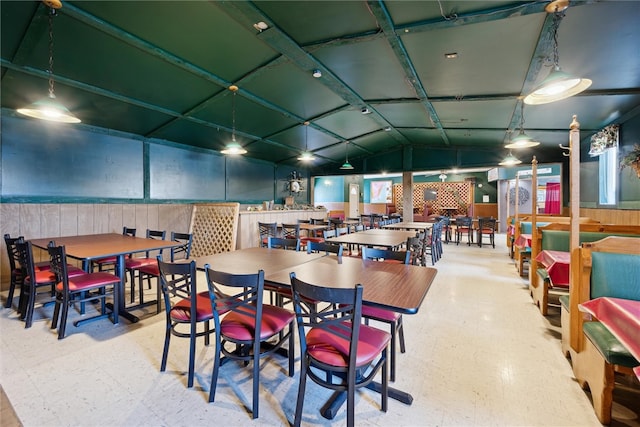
[(306, 156), (442, 176), (522, 140), (48, 108), (346, 165), (233, 147), (510, 160), (558, 84)]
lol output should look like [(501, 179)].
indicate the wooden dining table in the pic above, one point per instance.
[(88, 248), (397, 287), (416, 226), (622, 318), (391, 239)]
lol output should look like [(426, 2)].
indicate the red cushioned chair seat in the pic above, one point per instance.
[(42, 266), (139, 262), (312, 239), (151, 269), (89, 281), (333, 350), (181, 312), (238, 326), (44, 277), (380, 314)]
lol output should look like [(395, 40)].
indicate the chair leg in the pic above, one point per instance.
[(165, 351), (393, 353), (62, 327), (216, 367), (301, 390), (400, 329), (256, 378), (192, 354)]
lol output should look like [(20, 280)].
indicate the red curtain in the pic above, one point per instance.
[(552, 200)]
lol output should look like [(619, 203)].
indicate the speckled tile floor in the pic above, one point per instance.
[(479, 354)]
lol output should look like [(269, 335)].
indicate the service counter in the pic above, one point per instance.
[(248, 236)]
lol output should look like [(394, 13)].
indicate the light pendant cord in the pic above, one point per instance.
[(52, 12)]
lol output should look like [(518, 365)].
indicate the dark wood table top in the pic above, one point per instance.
[(375, 237), (250, 260), (397, 287), (93, 246)]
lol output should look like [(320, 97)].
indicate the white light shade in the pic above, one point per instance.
[(510, 160), (558, 85), (522, 141), (234, 148), (306, 157), (49, 109)]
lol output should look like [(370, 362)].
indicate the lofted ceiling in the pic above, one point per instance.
[(161, 70)]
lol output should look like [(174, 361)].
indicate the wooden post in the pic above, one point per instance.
[(574, 233), (533, 265)]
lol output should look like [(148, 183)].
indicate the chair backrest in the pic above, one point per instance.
[(327, 234), (126, 231), (12, 251), (335, 222), (415, 247), (58, 262), (487, 225), (24, 257), (342, 319), (281, 243), (359, 227), (178, 280), (184, 250), (324, 246), (267, 229), (241, 293), (464, 221), (386, 255), (291, 231), (304, 221), (155, 235), (341, 231)]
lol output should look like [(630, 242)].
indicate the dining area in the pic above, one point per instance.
[(129, 355)]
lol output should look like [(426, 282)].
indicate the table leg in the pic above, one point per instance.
[(122, 311), (331, 408)]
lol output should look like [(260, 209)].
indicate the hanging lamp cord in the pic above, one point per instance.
[(52, 12), (233, 117), (557, 17)]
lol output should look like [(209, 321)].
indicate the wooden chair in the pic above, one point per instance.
[(282, 243), (336, 350), (391, 318), (78, 289), (185, 309), (247, 325), (464, 227)]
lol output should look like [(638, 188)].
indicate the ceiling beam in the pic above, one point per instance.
[(383, 18)]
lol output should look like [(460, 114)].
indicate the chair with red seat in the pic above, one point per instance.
[(185, 309), (133, 264), (392, 318), (147, 272), (336, 350), (14, 267), (250, 330), (282, 243), (109, 263), (464, 226), (266, 230), (81, 288), (486, 228), (311, 236)]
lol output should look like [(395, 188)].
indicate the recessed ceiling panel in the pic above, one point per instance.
[(475, 114), (348, 123), (405, 114)]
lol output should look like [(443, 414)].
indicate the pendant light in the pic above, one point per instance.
[(510, 160), (48, 108), (558, 84), (346, 165), (233, 148), (306, 156), (522, 140), (442, 176)]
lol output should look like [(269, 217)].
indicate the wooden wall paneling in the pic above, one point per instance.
[(128, 216), (613, 216), (50, 220), (30, 221), (9, 223), (115, 218), (101, 219), (69, 220), (86, 218), (486, 209), (153, 222), (141, 221)]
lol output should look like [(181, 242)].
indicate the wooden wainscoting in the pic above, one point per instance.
[(485, 209), (33, 220), (613, 216)]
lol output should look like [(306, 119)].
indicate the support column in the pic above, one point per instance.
[(407, 196)]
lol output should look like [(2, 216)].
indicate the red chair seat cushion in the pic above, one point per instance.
[(42, 266), (312, 239), (241, 327), (380, 314), (89, 281), (181, 312), (334, 350), (151, 270), (44, 277), (139, 262)]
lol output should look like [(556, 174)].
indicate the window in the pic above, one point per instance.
[(608, 176)]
